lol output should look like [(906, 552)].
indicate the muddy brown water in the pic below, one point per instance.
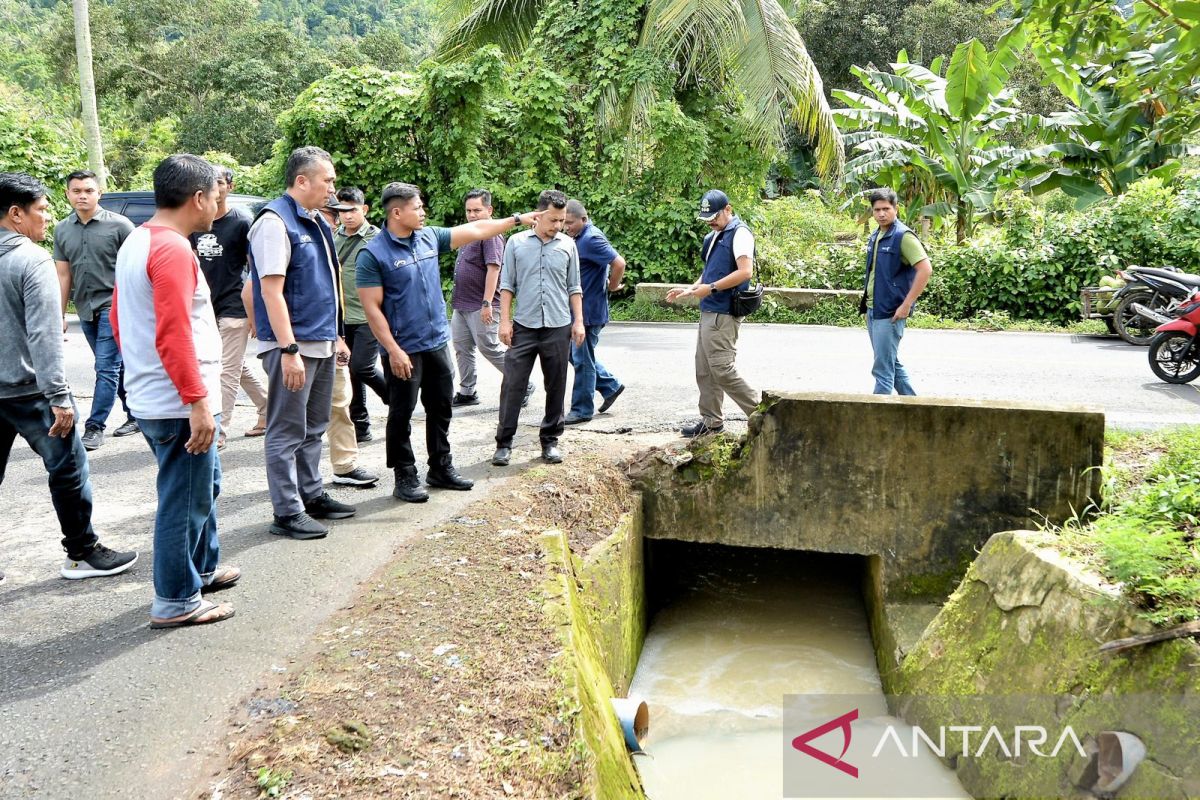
[(736, 631)]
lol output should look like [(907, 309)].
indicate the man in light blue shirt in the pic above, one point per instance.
[(541, 270)]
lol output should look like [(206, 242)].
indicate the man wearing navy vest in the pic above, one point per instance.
[(400, 286), (298, 318), (898, 269), (728, 253)]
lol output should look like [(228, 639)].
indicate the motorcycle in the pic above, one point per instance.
[(1175, 348), (1149, 298)]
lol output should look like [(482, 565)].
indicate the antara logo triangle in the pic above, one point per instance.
[(801, 743)]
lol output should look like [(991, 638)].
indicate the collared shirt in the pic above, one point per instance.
[(347, 253), (91, 250), (543, 276), (595, 256), (470, 273), (412, 287)]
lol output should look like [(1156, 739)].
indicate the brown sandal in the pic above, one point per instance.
[(197, 617), (223, 578), (259, 429)]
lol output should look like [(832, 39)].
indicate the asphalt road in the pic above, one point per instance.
[(93, 703)]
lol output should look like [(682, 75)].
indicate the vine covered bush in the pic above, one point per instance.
[(48, 149)]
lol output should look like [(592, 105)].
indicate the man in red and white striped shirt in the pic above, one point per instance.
[(163, 320)]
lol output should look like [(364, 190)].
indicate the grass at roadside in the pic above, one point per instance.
[(1145, 536), (846, 316)]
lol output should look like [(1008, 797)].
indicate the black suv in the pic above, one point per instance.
[(139, 206)]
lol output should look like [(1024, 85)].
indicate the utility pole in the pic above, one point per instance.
[(87, 91)]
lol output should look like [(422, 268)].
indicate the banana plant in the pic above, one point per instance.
[(936, 133)]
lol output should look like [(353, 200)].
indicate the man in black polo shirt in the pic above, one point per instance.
[(85, 253), (223, 258)]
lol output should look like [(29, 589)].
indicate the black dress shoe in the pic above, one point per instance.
[(612, 398), (325, 507), (461, 399), (447, 477), (575, 420), (551, 454), (699, 429), (364, 436), (408, 486), (501, 457)]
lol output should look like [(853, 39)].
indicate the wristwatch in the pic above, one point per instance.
[(486, 304), (712, 287), (291, 349), (516, 219)]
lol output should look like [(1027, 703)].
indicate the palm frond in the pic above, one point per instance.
[(472, 24)]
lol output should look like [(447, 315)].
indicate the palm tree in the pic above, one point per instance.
[(749, 45), (87, 91)]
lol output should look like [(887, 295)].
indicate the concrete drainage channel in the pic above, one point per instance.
[(809, 559)]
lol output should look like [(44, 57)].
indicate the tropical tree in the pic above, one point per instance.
[(936, 134), (640, 53), (87, 90)]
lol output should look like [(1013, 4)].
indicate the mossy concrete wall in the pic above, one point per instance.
[(920, 482), (1025, 621), (599, 602)]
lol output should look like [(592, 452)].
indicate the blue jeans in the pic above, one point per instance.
[(110, 372), (66, 462), (590, 375), (186, 550), (885, 338)]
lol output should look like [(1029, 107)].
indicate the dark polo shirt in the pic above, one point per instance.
[(91, 249)]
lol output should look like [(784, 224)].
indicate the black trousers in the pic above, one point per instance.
[(552, 346), (364, 371), (433, 378)]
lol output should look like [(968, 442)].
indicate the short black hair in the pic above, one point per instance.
[(483, 195), (301, 161), (404, 192), (576, 209), (551, 197), (177, 179), (82, 174), (226, 173), (885, 194), (352, 195), (20, 190)]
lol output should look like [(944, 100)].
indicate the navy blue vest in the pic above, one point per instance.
[(412, 289), (893, 277), (312, 286), (717, 264)]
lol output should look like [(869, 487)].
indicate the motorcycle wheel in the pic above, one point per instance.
[(1132, 327), (1173, 359)]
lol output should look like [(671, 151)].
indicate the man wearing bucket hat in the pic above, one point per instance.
[(728, 253)]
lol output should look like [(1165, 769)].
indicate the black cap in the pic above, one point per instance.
[(713, 203), (333, 204)]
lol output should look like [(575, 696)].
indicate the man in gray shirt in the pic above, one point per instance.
[(35, 400), (541, 269), (85, 252)]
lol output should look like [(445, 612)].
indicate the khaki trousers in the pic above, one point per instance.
[(343, 446), (235, 370), (716, 375)]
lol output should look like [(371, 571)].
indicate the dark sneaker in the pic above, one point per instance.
[(92, 438), (447, 477), (408, 486), (325, 507), (99, 563), (299, 526), (357, 477), (502, 456), (551, 454), (573, 419), (364, 436), (461, 399), (528, 394), (612, 398), (128, 429), (699, 429)]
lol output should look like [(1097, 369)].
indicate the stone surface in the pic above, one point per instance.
[(919, 482), (1026, 624), (788, 298)]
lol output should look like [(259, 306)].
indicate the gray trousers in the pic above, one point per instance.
[(716, 374), (468, 332), (296, 421)]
